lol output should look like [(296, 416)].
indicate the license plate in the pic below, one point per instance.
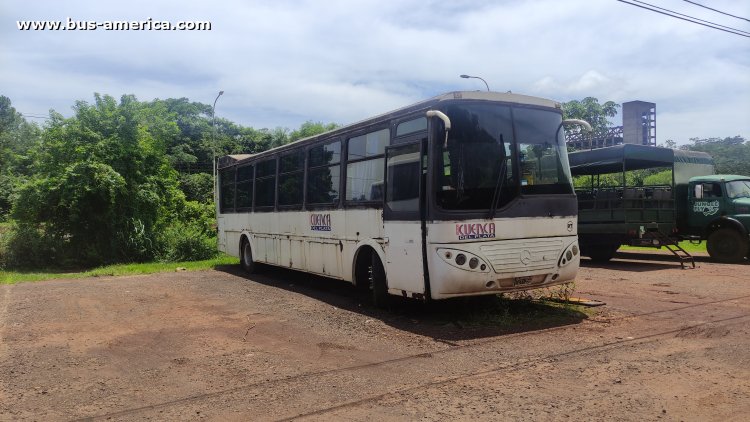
[(522, 281)]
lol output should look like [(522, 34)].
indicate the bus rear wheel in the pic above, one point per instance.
[(727, 245), (246, 258)]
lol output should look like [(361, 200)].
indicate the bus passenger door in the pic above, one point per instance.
[(402, 219)]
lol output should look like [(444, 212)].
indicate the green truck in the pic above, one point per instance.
[(697, 205)]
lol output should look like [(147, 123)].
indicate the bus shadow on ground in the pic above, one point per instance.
[(444, 320)]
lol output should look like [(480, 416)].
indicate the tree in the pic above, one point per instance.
[(669, 143), (591, 111), (731, 154), (310, 128), (17, 136), (119, 181), (102, 186)]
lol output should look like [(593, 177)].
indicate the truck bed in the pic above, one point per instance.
[(625, 211)]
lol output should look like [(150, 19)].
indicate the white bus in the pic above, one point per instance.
[(467, 193)]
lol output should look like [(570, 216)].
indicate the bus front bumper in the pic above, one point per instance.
[(469, 269)]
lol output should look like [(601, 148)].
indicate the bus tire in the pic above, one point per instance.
[(727, 245), (246, 257), (379, 285)]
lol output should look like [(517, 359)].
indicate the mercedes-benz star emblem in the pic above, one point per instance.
[(525, 257)]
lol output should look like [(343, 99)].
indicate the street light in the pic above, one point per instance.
[(213, 141), (476, 77)]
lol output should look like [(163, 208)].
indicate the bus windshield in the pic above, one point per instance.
[(486, 159)]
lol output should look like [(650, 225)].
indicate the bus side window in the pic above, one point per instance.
[(291, 167), (324, 173), (226, 190), (364, 169), (265, 183), (244, 190)]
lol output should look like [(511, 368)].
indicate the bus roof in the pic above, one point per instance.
[(632, 157), (229, 160)]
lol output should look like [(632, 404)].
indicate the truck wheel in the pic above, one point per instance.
[(603, 253), (727, 245)]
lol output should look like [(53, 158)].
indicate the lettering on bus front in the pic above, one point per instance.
[(475, 231), (320, 222)]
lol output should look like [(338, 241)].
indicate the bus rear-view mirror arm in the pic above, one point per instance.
[(446, 121), (580, 122)]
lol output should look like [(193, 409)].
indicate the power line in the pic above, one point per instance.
[(717, 11), (691, 19)]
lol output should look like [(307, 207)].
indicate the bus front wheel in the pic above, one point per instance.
[(378, 284), (246, 258), (727, 245)]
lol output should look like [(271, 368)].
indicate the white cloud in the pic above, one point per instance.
[(588, 84), (284, 62)]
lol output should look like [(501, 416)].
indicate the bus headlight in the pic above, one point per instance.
[(460, 259), (568, 255), (463, 260)]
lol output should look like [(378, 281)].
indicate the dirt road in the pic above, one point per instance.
[(670, 344)]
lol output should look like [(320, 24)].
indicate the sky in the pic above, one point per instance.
[(283, 62)]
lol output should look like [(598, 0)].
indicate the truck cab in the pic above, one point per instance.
[(718, 210)]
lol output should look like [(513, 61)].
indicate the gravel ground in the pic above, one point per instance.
[(669, 344)]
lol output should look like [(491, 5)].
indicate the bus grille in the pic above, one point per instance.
[(523, 255)]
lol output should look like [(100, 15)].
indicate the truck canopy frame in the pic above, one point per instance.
[(626, 157)]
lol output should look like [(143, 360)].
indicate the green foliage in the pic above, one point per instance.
[(102, 184), (197, 186), (27, 246), (191, 236), (120, 181), (659, 179), (17, 136), (604, 180), (647, 177), (8, 184), (731, 154), (186, 242), (310, 128), (203, 214), (591, 111), (12, 277)]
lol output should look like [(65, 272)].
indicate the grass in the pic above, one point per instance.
[(512, 312), (690, 247), (12, 277), (522, 312)]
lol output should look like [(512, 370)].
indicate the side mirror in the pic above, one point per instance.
[(698, 191), (446, 122)]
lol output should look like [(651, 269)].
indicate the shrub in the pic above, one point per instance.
[(186, 242), (28, 247), (197, 187)]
